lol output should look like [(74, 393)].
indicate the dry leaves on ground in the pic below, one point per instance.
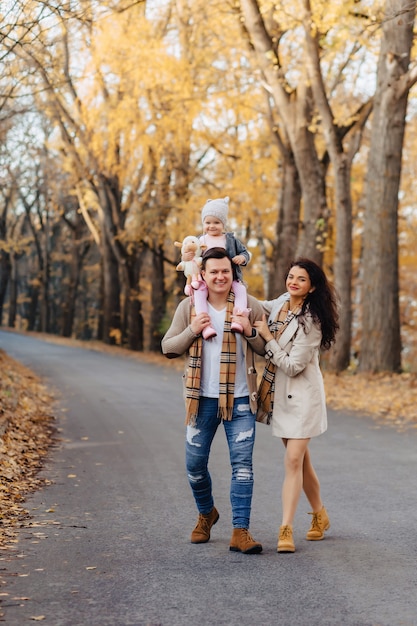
[(388, 398), (26, 434)]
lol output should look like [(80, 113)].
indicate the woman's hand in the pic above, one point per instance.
[(263, 329)]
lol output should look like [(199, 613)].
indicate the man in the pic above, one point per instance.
[(220, 387)]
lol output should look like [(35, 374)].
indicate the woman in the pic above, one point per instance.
[(291, 394)]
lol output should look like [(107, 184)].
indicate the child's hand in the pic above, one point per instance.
[(188, 256), (239, 259)]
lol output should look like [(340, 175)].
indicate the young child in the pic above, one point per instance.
[(214, 217)]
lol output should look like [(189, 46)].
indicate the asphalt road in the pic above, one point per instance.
[(109, 542)]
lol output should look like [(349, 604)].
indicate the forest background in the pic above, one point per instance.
[(119, 119)]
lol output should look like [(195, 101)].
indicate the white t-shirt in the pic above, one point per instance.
[(210, 362)]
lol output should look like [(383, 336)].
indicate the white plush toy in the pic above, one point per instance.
[(192, 267)]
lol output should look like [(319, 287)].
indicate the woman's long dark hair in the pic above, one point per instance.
[(322, 302)]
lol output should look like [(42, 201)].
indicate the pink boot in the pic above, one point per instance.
[(196, 282), (193, 286), (209, 333), (235, 327)]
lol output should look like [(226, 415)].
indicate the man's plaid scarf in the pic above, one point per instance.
[(266, 389), (227, 371)]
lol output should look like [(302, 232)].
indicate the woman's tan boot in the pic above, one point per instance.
[(319, 524), (285, 540)]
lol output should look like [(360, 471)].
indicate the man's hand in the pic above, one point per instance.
[(244, 321), (199, 323)]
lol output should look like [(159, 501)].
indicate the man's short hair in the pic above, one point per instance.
[(214, 253), (217, 253)]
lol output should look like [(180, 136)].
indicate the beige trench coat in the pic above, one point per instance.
[(299, 404)]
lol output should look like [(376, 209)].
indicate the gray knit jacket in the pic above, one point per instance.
[(234, 247)]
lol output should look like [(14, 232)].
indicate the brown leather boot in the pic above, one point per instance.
[(242, 541), (319, 524), (285, 540), (201, 533)]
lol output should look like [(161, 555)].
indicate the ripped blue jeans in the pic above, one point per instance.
[(240, 433)]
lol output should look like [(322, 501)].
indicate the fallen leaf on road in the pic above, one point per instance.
[(26, 434)]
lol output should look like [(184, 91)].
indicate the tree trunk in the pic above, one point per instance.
[(340, 357), (42, 245), (294, 108), (68, 313), (311, 173), (158, 299), (287, 227), (343, 200), (5, 264), (5, 269), (13, 291), (44, 280), (33, 306), (111, 294), (100, 304), (381, 340), (134, 320)]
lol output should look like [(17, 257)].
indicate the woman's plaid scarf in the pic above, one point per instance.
[(266, 389), (227, 371)]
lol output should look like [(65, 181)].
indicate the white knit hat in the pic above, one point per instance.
[(216, 208)]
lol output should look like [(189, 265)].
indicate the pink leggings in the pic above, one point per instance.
[(200, 297)]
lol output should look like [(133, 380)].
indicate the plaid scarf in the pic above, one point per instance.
[(227, 370), (266, 389)]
